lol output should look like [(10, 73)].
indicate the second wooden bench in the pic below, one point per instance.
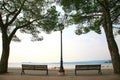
[(88, 67)]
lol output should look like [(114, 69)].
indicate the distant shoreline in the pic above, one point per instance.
[(72, 62), (56, 66)]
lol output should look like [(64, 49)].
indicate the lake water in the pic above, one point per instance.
[(67, 65)]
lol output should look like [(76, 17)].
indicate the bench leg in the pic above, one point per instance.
[(47, 72), (99, 72), (75, 72), (22, 72)]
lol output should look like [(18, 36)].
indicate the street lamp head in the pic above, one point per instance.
[(61, 26)]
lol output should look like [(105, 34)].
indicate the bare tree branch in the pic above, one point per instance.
[(17, 13), (7, 16), (115, 18), (100, 2), (15, 30), (117, 7), (4, 3)]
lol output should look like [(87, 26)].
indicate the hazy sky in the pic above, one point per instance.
[(89, 46)]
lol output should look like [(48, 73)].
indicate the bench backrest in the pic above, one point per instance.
[(26, 66), (42, 67), (82, 67)]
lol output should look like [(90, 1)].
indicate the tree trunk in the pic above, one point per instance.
[(113, 48), (4, 60), (5, 53)]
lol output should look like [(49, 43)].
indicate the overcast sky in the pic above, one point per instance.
[(85, 47)]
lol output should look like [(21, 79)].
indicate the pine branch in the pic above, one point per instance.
[(17, 13)]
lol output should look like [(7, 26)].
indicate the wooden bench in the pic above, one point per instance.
[(88, 67), (34, 67)]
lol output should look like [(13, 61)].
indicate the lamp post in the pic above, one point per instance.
[(62, 24), (61, 71)]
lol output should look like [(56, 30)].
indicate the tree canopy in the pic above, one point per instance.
[(89, 14), (30, 16)]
